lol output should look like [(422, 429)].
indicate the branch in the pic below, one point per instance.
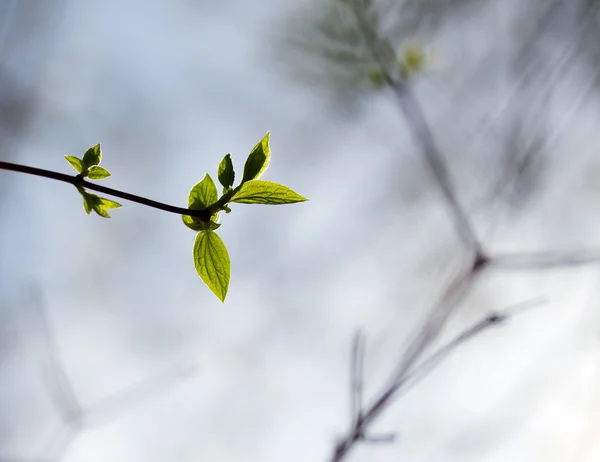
[(422, 135), (544, 260), (383, 53), (410, 378), (356, 379), (494, 319), (74, 416), (76, 181), (434, 324)]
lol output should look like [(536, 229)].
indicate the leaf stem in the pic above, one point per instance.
[(77, 181)]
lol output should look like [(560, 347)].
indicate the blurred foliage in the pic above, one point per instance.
[(340, 45)]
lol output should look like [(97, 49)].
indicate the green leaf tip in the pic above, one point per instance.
[(258, 160), (226, 173), (212, 263), (266, 192), (100, 205), (96, 172), (203, 194), (93, 156), (75, 163)]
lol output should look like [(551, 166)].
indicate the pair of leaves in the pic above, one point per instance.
[(89, 167), (256, 164), (100, 205), (211, 258)]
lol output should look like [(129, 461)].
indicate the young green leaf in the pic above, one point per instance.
[(100, 205), (258, 160), (212, 262), (203, 194), (75, 163), (97, 173), (104, 205), (266, 192), (92, 156), (225, 173)]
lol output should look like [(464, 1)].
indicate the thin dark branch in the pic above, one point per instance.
[(75, 180)]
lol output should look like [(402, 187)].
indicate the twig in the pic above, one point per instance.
[(383, 53), (421, 132), (494, 319), (62, 394), (538, 261), (356, 379), (76, 180), (75, 417)]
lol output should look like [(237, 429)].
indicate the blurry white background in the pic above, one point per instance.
[(168, 88)]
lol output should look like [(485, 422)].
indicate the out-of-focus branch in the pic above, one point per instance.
[(384, 54), (409, 370), (75, 417)]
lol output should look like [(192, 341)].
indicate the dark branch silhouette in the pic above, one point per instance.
[(77, 180)]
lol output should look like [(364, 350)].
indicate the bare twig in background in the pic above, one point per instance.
[(356, 378), (538, 261), (407, 373), (75, 417)]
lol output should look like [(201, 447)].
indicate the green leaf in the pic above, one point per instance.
[(258, 160), (87, 203), (92, 156), (97, 173), (203, 194), (226, 174), (100, 205), (212, 262), (266, 192), (75, 163)]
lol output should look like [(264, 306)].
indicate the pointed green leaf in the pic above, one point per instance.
[(266, 192), (258, 160), (75, 163), (203, 194), (212, 262), (97, 173), (100, 205), (92, 156), (226, 174), (87, 206)]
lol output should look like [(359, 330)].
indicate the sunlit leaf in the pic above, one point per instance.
[(97, 173), (258, 160), (92, 156), (100, 205), (75, 163), (212, 262), (203, 194), (266, 192), (226, 174)]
